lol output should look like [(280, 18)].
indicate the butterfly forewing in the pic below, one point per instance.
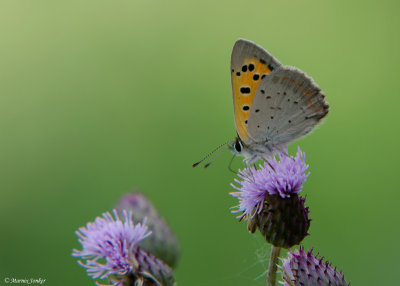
[(287, 105), (250, 64)]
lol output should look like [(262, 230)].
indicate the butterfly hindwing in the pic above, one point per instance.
[(287, 105), (250, 64)]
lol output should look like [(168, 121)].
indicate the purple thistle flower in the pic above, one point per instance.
[(285, 178), (162, 243), (303, 268), (108, 243)]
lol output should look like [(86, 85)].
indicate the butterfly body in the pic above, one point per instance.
[(273, 104)]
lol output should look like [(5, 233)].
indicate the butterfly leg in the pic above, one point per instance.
[(230, 164), (284, 151), (269, 164)]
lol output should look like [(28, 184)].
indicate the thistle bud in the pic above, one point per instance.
[(304, 269), (283, 222)]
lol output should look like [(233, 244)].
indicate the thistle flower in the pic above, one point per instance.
[(304, 269), (162, 243), (269, 201), (109, 246), (284, 177)]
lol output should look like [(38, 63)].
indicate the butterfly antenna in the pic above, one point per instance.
[(215, 158), (209, 154)]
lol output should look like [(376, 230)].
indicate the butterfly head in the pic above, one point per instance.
[(239, 148)]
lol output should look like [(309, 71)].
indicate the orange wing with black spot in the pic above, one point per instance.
[(250, 64)]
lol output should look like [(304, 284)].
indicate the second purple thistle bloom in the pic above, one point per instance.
[(269, 201), (110, 251)]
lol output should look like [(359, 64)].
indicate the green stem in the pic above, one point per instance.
[(273, 265)]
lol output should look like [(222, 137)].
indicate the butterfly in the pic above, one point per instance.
[(273, 104)]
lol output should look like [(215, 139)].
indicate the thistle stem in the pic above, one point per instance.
[(273, 265)]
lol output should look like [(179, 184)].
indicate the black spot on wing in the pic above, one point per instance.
[(245, 90)]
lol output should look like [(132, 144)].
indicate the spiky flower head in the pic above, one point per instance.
[(269, 201), (284, 177), (109, 246), (162, 243), (302, 268)]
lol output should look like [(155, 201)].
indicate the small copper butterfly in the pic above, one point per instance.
[(273, 104)]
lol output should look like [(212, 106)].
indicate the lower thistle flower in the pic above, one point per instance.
[(269, 200), (302, 268), (110, 250), (162, 243)]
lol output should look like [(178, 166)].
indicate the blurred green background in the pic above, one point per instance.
[(100, 97)]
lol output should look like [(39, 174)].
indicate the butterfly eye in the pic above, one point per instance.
[(238, 146)]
